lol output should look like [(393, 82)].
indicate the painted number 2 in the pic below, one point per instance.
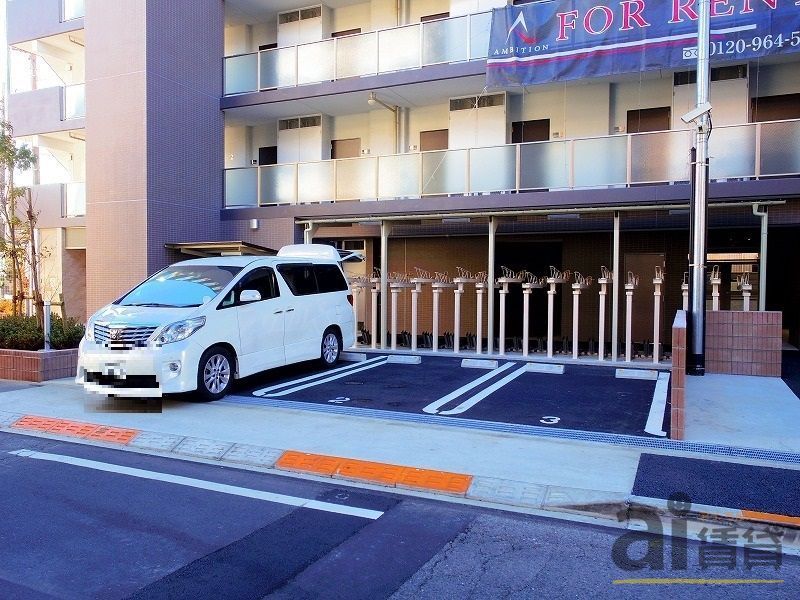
[(549, 420)]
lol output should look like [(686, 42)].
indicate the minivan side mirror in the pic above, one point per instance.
[(249, 296)]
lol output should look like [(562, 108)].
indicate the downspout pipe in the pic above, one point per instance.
[(762, 257)]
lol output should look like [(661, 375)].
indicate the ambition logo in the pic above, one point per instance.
[(523, 36)]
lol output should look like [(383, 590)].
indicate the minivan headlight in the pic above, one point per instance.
[(89, 331), (180, 330)]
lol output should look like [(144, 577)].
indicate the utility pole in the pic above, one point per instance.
[(695, 359)]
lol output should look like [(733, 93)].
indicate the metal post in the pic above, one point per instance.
[(601, 323), (493, 223), (374, 318), (479, 290), (47, 324), (459, 291), (356, 296), (762, 258), (628, 324), (437, 291), (309, 232), (395, 295), (658, 280), (385, 230), (615, 292), (551, 294), (414, 302), (576, 302), (502, 341), (526, 304), (695, 356)]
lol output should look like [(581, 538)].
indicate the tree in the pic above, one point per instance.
[(18, 222)]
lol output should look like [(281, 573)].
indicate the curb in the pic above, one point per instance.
[(608, 507)]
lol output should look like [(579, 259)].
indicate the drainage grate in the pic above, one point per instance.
[(564, 434)]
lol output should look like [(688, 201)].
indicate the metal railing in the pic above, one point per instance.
[(74, 105), (748, 151), (455, 39)]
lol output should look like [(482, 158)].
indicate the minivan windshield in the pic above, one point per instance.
[(181, 286)]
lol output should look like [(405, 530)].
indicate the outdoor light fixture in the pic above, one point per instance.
[(373, 99)]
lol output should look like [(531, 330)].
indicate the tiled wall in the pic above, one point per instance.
[(744, 343), (678, 394)]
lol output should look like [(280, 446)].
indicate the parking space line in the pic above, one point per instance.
[(470, 402), (202, 484), (433, 407), (655, 419), (323, 376)]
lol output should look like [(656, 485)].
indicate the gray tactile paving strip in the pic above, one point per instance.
[(7, 418), (506, 491), (202, 448), (151, 440), (252, 455)]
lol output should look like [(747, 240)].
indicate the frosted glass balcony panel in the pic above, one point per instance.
[(601, 161), (492, 169), (480, 26), (278, 184), (356, 55), (74, 9), (356, 178), (278, 68), (732, 152), (544, 165), (445, 41), (398, 176), (315, 62), (75, 101), (444, 172), (660, 156), (398, 49), (241, 74), (780, 148), (316, 181), (241, 187), (74, 199)]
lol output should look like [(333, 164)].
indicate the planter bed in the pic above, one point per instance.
[(38, 365)]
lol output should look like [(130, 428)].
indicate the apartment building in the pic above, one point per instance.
[(369, 125)]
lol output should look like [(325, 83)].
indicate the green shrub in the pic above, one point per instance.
[(20, 333), (65, 333)]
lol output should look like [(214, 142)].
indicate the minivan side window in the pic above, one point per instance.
[(299, 278), (262, 280), (330, 279)]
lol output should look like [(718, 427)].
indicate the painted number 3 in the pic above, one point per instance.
[(549, 420)]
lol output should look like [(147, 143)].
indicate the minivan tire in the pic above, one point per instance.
[(214, 374), (331, 347)]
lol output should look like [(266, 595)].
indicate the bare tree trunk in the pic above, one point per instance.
[(36, 291)]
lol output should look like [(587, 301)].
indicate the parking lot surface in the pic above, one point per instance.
[(578, 397)]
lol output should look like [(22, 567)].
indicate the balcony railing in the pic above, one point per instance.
[(73, 9), (737, 152), (455, 39), (73, 199), (74, 101)]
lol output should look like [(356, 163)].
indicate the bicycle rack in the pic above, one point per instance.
[(481, 285), (556, 278), (631, 284), (375, 280), (744, 286), (358, 284), (397, 283), (441, 282), (504, 281), (531, 282), (420, 278), (716, 280), (460, 280), (581, 283), (658, 280), (685, 290), (606, 278)]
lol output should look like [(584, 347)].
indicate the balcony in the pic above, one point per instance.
[(56, 202), (456, 39), (749, 151), (35, 19), (47, 110)]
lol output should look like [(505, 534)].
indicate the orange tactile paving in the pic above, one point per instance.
[(770, 518), (89, 431), (375, 472)]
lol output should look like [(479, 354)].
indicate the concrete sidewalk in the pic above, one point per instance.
[(588, 480)]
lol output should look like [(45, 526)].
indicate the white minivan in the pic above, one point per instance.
[(199, 324)]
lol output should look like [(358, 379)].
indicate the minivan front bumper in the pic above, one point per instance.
[(141, 372)]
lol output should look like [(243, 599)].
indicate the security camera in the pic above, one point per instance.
[(696, 113)]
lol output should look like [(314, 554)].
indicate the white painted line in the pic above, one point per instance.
[(478, 363), (321, 374), (655, 420), (646, 374), (404, 359), (534, 367), (364, 367), (434, 407), (469, 403), (202, 484), (353, 356)]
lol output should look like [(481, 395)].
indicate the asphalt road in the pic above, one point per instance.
[(87, 522)]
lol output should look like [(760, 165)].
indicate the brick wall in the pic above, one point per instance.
[(744, 343), (38, 366), (678, 379)]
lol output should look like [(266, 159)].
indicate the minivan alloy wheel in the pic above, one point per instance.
[(330, 348), (217, 373)]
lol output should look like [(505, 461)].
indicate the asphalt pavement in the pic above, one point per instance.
[(90, 522)]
